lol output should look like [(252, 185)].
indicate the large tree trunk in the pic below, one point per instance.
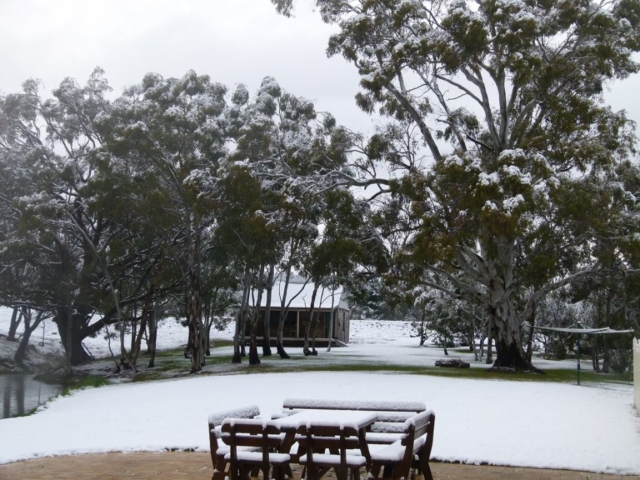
[(266, 338), (71, 329), (509, 351), (497, 266)]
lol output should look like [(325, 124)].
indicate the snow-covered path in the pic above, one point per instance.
[(503, 423)]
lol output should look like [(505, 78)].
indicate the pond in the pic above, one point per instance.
[(20, 393)]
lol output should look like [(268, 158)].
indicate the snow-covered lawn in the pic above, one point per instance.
[(500, 422), (503, 423)]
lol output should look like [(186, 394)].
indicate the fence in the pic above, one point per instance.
[(636, 373)]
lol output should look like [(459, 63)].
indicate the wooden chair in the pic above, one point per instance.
[(218, 451), (265, 436), (412, 451), (314, 440)]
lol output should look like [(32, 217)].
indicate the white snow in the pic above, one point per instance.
[(503, 423), (527, 424)]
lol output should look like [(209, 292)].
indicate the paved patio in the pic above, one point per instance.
[(170, 465)]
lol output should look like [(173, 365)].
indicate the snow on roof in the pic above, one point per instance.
[(300, 296)]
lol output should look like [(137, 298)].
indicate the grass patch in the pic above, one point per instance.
[(552, 375), (89, 381)]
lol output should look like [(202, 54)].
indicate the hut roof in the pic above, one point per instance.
[(300, 296)]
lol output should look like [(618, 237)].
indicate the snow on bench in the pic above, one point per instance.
[(250, 411), (370, 405), (218, 451)]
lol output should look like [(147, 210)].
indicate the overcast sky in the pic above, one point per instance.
[(233, 41)]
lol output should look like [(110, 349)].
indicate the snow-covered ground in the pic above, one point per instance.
[(533, 424), (503, 423), (367, 336)]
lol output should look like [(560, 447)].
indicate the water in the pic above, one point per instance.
[(20, 393)]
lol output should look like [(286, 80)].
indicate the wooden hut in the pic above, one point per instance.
[(330, 306)]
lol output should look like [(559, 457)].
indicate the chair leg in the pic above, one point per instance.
[(375, 471), (355, 473), (342, 473), (426, 471)]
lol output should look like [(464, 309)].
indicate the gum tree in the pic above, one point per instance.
[(499, 140)]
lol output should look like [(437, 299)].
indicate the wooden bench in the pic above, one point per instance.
[(391, 415), (219, 451), (411, 451), (263, 435)]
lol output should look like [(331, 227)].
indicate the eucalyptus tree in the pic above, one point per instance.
[(175, 129), (504, 100), (245, 231), (286, 144), (49, 229)]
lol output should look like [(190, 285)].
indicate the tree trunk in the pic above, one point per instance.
[(194, 323), (208, 334), (307, 331), (332, 318), (498, 262), (193, 297), (16, 317), (254, 358), (246, 286), (144, 319), (283, 315), (24, 342), (153, 335), (509, 351), (314, 327), (208, 311), (266, 338), (472, 339), (489, 342), (532, 323), (71, 330)]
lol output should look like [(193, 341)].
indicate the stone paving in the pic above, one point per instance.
[(196, 465)]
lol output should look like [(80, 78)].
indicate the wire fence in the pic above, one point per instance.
[(636, 373)]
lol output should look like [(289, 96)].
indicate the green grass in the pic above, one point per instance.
[(77, 383), (172, 364), (552, 375)]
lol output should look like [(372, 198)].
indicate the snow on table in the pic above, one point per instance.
[(527, 424), (348, 418), (373, 405)]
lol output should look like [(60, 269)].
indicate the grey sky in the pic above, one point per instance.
[(233, 41)]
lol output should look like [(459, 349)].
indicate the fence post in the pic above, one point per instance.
[(636, 373)]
